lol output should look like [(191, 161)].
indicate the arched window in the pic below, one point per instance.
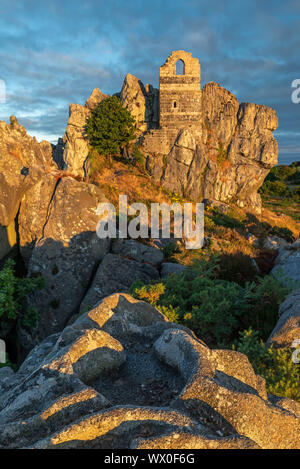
[(180, 67)]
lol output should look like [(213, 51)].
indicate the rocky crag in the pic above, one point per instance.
[(203, 144), (88, 387)]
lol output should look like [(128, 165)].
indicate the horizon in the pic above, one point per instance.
[(56, 54)]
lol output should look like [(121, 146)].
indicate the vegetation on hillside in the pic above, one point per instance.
[(217, 309), (281, 190), (13, 294)]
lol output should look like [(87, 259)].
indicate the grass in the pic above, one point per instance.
[(282, 205)]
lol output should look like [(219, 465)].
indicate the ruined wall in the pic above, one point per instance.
[(180, 95)]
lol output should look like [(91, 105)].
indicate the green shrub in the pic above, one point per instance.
[(222, 153), (262, 299), (110, 126), (274, 188), (282, 375), (13, 294), (151, 293), (237, 267), (296, 193), (225, 219), (170, 249), (280, 173), (216, 309), (139, 158)]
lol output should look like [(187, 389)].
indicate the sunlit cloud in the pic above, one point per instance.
[(57, 52)]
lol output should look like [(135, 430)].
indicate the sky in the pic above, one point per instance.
[(56, 52)]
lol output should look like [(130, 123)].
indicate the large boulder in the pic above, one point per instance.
[(76, 145), (33, 214), (64, 248), (96, 97), (122, 376), (23, 162), (138, 251), (141, 101), (116, 274)]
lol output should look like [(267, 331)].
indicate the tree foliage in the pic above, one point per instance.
[(110, 126), (13, 293)]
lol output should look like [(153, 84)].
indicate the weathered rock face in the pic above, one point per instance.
[(96, 97), (116, 274), (23, 162), (76, 146), (225, 158), (142, 101), (122, 376), (34, 211), (63, 247)]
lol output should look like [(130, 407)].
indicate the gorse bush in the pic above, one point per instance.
[(110, 127), (262, 299), (151, 293), (216, 309), (282, 375), (13, 293), (170, 249)]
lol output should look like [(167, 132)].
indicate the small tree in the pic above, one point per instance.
[(110, 126)]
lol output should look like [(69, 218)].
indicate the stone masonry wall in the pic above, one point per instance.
[(180, 95)]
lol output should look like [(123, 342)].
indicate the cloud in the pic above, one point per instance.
[(55, 53)]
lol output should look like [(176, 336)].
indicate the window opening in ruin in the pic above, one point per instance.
[(180, 67)]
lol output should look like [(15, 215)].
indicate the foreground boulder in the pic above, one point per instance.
[(65, 251), (122, 376)]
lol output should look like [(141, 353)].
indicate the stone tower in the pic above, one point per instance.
[(180, 91)]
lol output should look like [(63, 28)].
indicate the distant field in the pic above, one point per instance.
[(283, 205), (280, 191)]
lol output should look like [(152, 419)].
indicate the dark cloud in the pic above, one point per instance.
[(53, 53)]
